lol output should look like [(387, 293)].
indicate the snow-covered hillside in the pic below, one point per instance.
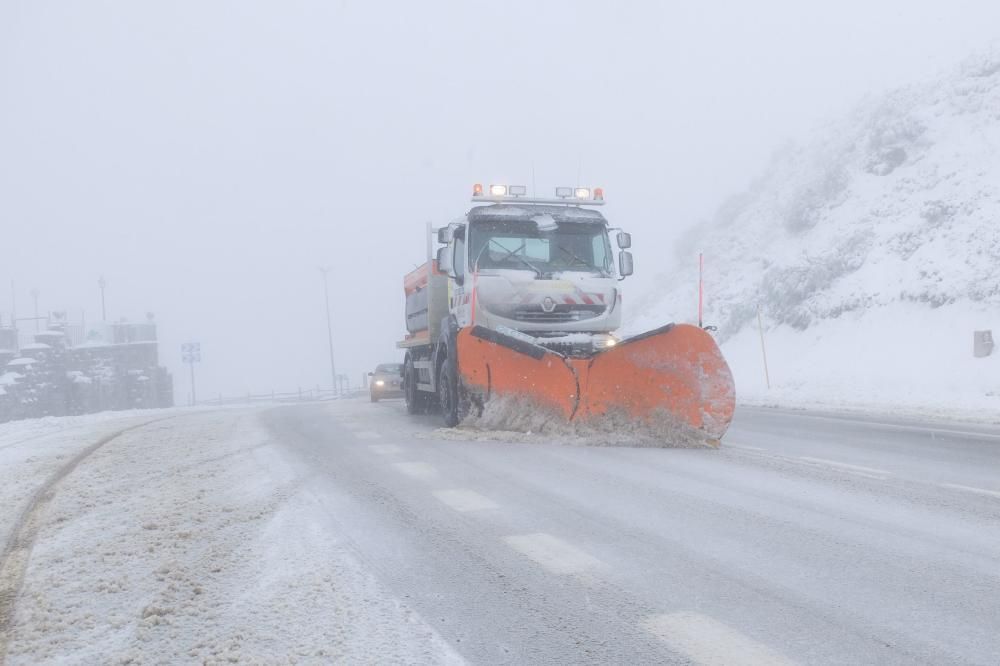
[(873, 253)]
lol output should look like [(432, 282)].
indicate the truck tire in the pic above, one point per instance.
[(449, 395), (416, 402)]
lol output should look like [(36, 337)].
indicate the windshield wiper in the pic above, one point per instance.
[(513, 253), (583, 262)]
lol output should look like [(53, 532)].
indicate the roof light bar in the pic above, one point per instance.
[(499, 193)]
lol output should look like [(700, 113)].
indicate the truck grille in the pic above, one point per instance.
[(575, 349), (561, 313)]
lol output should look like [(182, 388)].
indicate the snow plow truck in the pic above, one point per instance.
[(522, 301)]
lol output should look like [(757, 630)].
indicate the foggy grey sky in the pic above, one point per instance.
[(208, 156)]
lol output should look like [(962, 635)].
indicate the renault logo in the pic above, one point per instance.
[(548, 305)]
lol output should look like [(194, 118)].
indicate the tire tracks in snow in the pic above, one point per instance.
[(42, 435), (17, 551)]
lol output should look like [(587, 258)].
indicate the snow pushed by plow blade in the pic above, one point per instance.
[(667, 387)]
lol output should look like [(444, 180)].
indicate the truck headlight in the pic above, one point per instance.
[(379, 382), (605, 342)]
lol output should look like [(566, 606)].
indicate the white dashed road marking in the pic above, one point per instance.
[(460, 499), (554, 554), (972, 489), (385, 449), (367, 434), (708, 642), (418, 470), (869, 472)]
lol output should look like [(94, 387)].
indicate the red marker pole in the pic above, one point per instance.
[(701, 287), (472, 301)]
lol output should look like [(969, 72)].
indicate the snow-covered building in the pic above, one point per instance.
[(51, 377)]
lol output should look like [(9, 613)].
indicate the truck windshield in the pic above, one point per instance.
[(521, 245)]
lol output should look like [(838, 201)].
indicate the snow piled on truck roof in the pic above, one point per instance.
[(529, 211)]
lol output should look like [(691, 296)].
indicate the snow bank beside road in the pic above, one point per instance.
[(191, 539), (34, 449), (888, 360)]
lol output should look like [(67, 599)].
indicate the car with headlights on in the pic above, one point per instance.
[(386, 381)]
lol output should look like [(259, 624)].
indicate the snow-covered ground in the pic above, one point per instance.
[(189, 539), (872, 253), (889, 361), (31, 451)]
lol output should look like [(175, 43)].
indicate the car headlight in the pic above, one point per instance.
[(379, 382)]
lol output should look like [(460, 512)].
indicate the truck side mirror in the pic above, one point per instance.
[(624, 240), (447, 234), (625, 264), (444, 261)]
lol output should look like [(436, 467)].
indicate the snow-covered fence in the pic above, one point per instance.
[(299, 395)]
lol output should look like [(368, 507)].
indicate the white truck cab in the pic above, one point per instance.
[(540, 267)]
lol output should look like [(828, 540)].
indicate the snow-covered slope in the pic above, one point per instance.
[(873, 253)]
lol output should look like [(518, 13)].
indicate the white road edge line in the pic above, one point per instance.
[(554, 554), (745, 448), (709, 642), (417, 470), (868, 471), (461, 499), (972, 489), (385, 449), (897, 426)]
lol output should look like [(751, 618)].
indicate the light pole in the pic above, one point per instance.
[(191, 354), (102, 283), (34, 295), (329, 327)]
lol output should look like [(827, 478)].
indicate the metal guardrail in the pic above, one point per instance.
[(300, 395)]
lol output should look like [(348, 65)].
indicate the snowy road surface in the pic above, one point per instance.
[(352, 532)]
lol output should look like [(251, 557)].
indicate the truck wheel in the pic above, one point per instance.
[(416, 402), (449, 395)]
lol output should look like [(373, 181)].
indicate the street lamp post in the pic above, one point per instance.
[(329, 327), (34, 296), (102, 283), (191, 354)]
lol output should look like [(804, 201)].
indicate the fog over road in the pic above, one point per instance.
[(807, 538)]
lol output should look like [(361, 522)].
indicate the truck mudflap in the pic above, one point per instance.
[(671, 380)]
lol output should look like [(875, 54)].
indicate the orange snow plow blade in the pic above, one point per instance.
[(493, 364), (675, 374), (669, 379)]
